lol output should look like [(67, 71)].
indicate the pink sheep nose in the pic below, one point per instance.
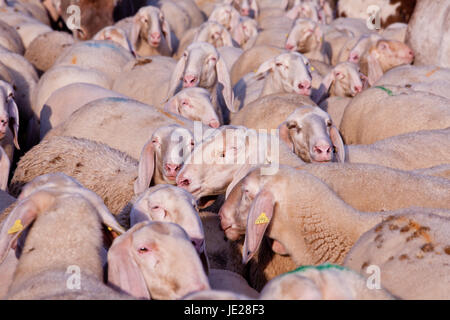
[(357, 88), (322, 152), (172, 169), (189, 81), (305, 88), (289, 46), (183, 182), (214, 123), (155, 37)]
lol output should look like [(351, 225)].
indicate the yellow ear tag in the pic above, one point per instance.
[(262, 219), (16, 227), (287, 35), (312, 69), (109, 228)]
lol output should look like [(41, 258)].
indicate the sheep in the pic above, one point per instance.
[(178, 15), (54, 211), (194, 13), (155, 260), (431, 79), (230, 55), (335, 107), (227, 154), (428, 35), (29, 30), (202, 66), (149, 32), (88, 162), (10, 39), (226, 15), (322, 282), (32, 9), (362, 186), (117, 35), (336, 236), (124, 124), (383, 56), (211, 32), (135, 82), (410, 151), (247, 8), (288, 72), (411, 252), (45, 49), (245, 33), (66, 100), (194, 104), (9, 120), (306, 37), (344, 80), (270, 111), (61, 76), (251, 59), (396, 31), (103, 56), (385, 111), (24, 77)]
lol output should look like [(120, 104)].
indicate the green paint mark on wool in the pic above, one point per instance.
[(319, 267), (389, 92)]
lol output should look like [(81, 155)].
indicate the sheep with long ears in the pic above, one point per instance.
[(202, 66), (151, 33)]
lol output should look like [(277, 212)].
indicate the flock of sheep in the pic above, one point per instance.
[(224, 149)]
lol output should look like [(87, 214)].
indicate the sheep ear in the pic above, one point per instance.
[(285, 136), (223, 78), (254, 7), (123, 271), (167, 33), (5, 165), (375, 70), (279, 248), (264, 68), (238, 176), (258, 220), (13, 112), (176, 77), (135, 31), (172, 105), (338, 143), (321, 93), (146, 168), (20, 218)]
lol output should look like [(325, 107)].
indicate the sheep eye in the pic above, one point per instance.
[(329, 123), (143, 250)]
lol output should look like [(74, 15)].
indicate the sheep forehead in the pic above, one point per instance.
[(301, 113), (150, 11), (157, 231), (197, 94), (202, 49)]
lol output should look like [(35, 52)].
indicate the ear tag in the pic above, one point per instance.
[(16, 227), (312, 68), (262, 219)]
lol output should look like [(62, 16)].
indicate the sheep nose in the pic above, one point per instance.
[(156, 36), (214, 123), (411, 53), (183, 182), (357, 88), (322, 152), (304, 85), (189, 81), (289, 46), (172, 169)]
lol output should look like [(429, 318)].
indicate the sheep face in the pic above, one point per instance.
[(226, 15), (246, 30), (157, 260), (310, 133), (194, 104), (347, 81), (305, 36), (215, 34)]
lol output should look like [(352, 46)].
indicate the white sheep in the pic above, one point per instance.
[(9, 120), (117, 35), (411, 252), (385, 111), (155, 260), (84, 160), (51, 210), (10, 39), (322, 282), (66, 100), (121, 123), (245, 33), (288, 72)]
